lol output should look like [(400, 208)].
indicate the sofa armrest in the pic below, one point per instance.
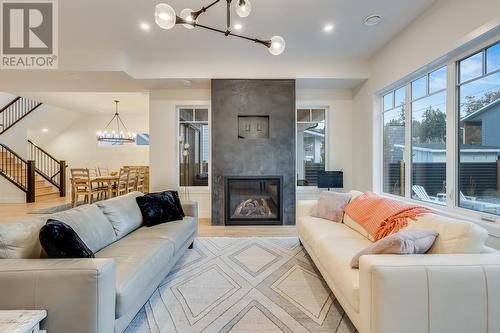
[(190, 208), (78, 294), (305, 207), (430, 293)]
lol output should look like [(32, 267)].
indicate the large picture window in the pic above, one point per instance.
[(428, 137), (311, 130), (193, 146), (394, 141), (479, 131), (459, 169)]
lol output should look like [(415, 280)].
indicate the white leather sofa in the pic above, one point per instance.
[(455, 288), (100, 295)]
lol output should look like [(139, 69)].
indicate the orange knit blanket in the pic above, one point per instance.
[(382, 216)]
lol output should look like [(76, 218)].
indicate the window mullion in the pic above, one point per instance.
[(408, 142), (451, 135)]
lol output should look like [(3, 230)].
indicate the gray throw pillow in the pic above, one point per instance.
[(403, 242), (331, 205)]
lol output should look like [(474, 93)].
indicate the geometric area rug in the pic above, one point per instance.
[(243, 285)]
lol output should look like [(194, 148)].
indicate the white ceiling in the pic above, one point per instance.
[(102, 48), (97, 34)]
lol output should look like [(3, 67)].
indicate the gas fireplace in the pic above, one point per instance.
[(253, 200)]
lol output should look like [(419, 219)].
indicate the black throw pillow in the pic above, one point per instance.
[(157, 208), (59, 240)]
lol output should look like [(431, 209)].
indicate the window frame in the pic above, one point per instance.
[(311, 107), (453, 83), (178, 121)]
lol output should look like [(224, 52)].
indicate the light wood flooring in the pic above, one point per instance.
[(15, 212)]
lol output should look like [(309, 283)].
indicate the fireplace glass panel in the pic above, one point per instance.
[(253, 200)]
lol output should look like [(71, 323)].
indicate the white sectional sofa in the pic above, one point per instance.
[(455, 288), (100, 295)]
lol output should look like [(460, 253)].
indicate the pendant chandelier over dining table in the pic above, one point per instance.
[(120, 134), (166, 18)]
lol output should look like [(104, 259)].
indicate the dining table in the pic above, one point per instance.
[(109, 181)]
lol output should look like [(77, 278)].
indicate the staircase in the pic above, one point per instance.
[(42, 177), (15, 111)]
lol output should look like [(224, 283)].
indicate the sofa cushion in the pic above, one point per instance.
[(334, 255), (455, 236), (59, 240), (90, 224), (20, 240), (311, 229), (178, 232), (123, 213), (139, 259)]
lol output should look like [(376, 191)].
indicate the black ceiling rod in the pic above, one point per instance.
[(228, 17)]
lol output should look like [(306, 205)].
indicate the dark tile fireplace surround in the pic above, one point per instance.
[(253, 152)]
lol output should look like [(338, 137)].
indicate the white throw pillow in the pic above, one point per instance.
[(20, 240), (455, 236)]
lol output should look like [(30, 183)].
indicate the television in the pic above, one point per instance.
[(330, 179)]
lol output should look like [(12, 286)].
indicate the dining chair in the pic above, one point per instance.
[(120, 187), (103, 171), (81, 184), (141, 176), (132, 179)]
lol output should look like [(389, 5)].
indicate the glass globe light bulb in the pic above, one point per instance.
[(243, 8), (165, 16), (186, 15), (277, 45)]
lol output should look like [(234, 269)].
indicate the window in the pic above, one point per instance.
[(394, 141), (311, 125), (466, 176), (479, 135), (193, 146), (428, 138)]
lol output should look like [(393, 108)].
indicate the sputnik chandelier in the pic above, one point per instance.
[(166, 18)]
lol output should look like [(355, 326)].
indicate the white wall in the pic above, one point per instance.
[(164, 173), (444, 27), (339, 131), (77, 144), (164, 145)]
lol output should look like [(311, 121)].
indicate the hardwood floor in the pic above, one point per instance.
[(15, 212)]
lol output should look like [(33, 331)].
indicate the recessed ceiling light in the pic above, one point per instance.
[(238, 26), (373, 19), (187, 83), (144, 26), (328, 27), (45, 130)]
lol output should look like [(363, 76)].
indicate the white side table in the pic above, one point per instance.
[(21, 321)]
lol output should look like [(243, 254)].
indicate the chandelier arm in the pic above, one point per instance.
[(125, 127), (110, 122), (228, 14), (266, 43), (197, 13)]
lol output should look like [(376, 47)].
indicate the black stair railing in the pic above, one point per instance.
[(16, 110), (47, 166), (18, 171)]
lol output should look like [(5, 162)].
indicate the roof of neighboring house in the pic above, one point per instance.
[(474, 115)]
